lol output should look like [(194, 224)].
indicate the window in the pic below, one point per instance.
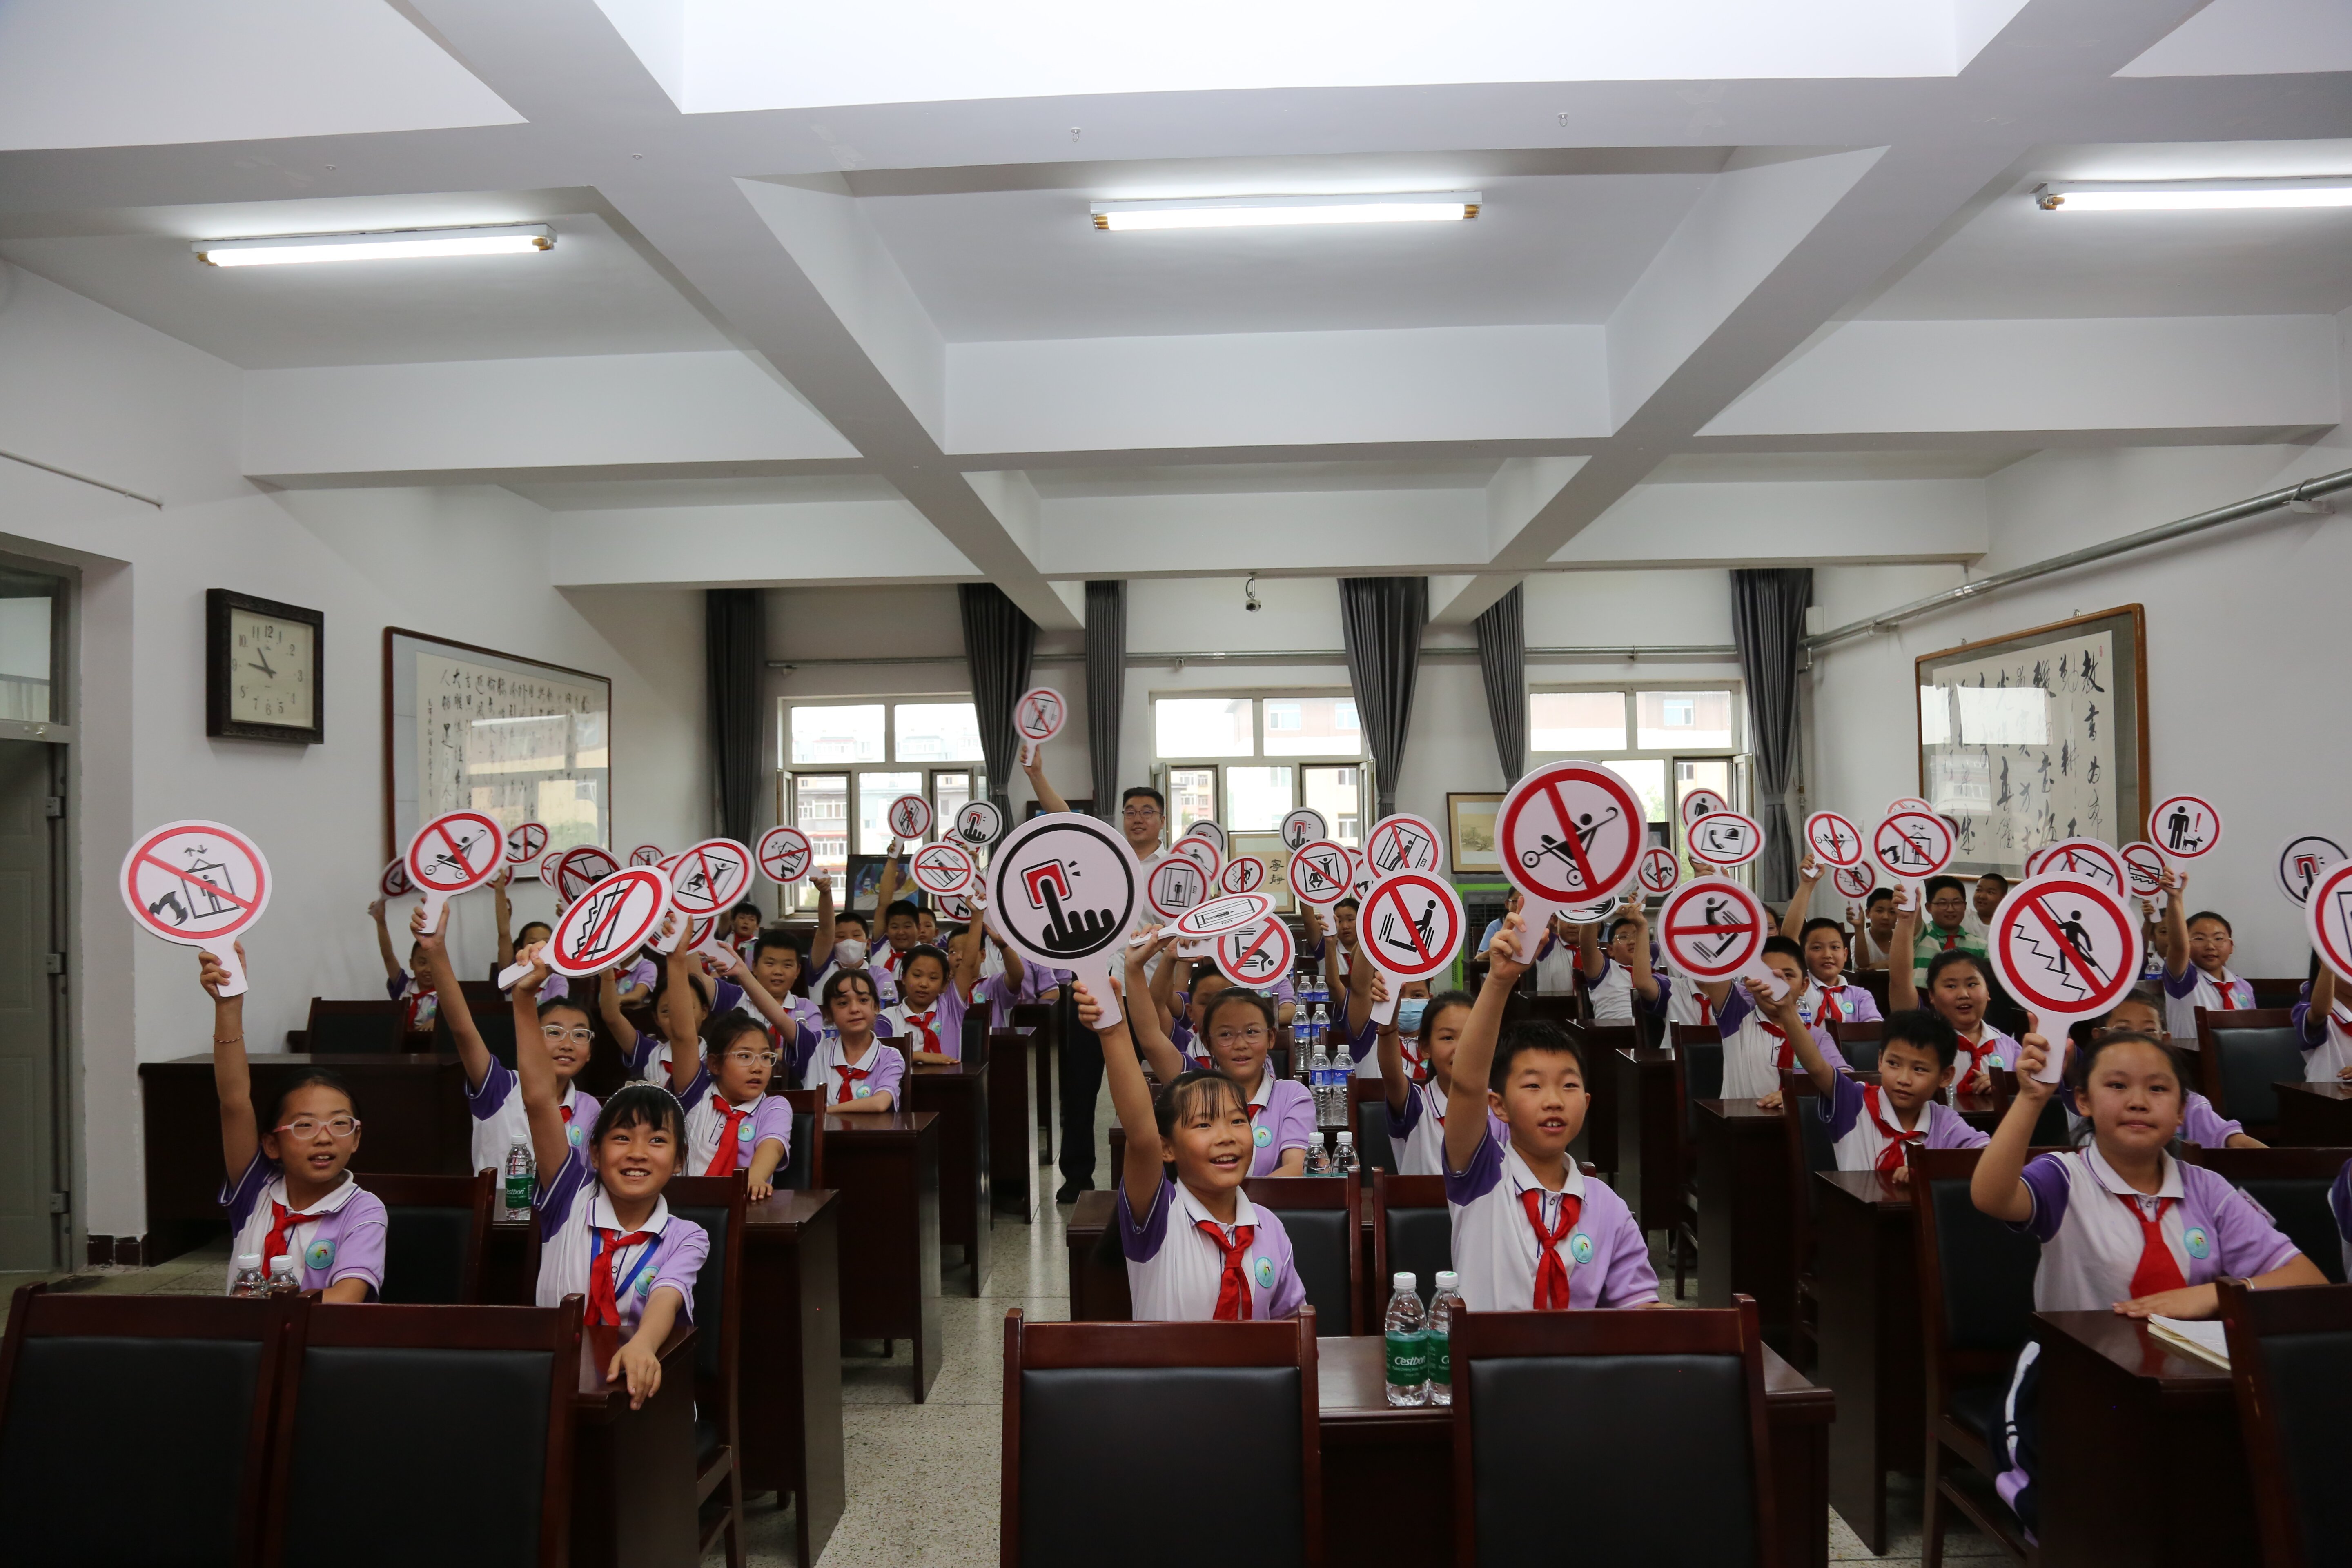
[(1210, 747), (1667, 727), (840, 805)]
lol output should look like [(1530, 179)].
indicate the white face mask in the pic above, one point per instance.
[(849, 954)]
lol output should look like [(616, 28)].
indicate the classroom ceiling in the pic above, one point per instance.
[(1747, 281)]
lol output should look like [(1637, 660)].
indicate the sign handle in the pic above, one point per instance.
[(435, 901), (2056, 1063), (1106, 992), (1385, 1010), (226, 955), (1534, 921), (511, 975), (668, 941)]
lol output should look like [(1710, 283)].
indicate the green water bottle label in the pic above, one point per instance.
[(518, 1190), (1408, 1359), (1440, 1360)]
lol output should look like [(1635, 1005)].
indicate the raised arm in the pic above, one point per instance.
[(1391, 1050), (685, 1046), (551, 1143), (821, 939), (1809, 1048), (1360, 985), (1644, 978), (1998, 1187), (966, 975), (768, 1008), (232, 1075), (1589, 956), (1130, 1099), (471, 1052), (2176, 925), (1047, 795), (608, 1004), (1474, 1053), (884, 890), (1143, 1023), (383, 942), (1902, 991), (1162, 991), (503, 909)]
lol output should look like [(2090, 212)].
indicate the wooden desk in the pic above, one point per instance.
[(887, 1170), (1099, 1292), (633, 1470), (2311, 1115), (1649, 1176), (2124, 1417), (412, 1110), (1746, 1245), (959, 1095), (1015, 1185), (788, 1405), (1388, 1473), (1866, 1289)]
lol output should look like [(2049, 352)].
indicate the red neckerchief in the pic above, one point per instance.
[(1232, 1285), (722, 1159), (1952, 939), (603, 1306), (849, 1074), (410, 1006), (565, 1112), (1551, 1273), (1890, 1158), (1829, 1012), (280, 1240), (921, 1024), (1786, 1057), (2229, 992), (2157, 1269), (1705, 1007)]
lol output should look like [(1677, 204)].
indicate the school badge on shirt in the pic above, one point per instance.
[(1262, 1136), (1580, 1246), (2199, 1243), (743, 1131), (322, 1256), (1265, 1273)]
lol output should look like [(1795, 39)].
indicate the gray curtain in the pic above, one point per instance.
[(1106, 689), (997, 642), (1383, 617), (1767, 621), (735, 648), (1502, 665)]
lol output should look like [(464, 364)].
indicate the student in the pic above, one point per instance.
[(1197, 1249), (1142, 810), (733, 1123), (1873, 934), (498, 1118), (1827, 1000), (1760, 1029), (1614, 977), (2322, 1025), (1530, 1229), (935, 992), (1958, 990), (2197, 971), (856, 1072), (1417, 1105), (512, 941), (743, 927), (927, 928), (1236, 1031), (2142, 1013), (647, 1056), (419, 1004), (776, 964), (1871, 1123), (290, 1191), (1992, 887), (1948, 910), (606, 1231), (2122, 1224)]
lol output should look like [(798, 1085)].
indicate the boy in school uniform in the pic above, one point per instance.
[(1417, 1105), (776, 964), (1992, 887), (2197, 973), (935, 993), (1530, 1229), (1873, 934), (409, 987), (1870, 1125), (1828, 999), (1614, 977), (743, 928), (2323, 1025), (1760, 1029)]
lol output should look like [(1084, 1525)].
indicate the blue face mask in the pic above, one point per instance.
[(1409, 1012)]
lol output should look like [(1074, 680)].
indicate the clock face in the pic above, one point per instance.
[(270, 673)]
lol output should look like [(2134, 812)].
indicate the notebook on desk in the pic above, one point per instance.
[(2203, 1337)]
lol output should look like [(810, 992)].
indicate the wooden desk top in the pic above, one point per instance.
[(597, 1400), (1868, 1187), (960, 1069), (1350, 1385), (2127, 1343), (1739, 1110), (2340, 1089), (1646, 1057), (882, 1124), (784, 1209), (342, 1063)]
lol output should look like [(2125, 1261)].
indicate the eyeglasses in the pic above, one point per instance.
[(1140, 811), (1255, 1035), (752, 1059), (307, 1127), (580, 1037)]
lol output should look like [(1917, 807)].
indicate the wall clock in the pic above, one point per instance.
[(263, 669)]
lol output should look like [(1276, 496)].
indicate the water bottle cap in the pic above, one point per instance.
[(1347, 1138), (1404, 1280), (248, 1260), (1447, 1280)]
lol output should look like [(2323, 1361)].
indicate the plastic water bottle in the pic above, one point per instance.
[(1321, 1026), (250, 1279), (284, 1277), (1318, 1160), (1344, 1160), (1320, 1067), (521, 1175), (1406, 1327), (1441, 1336)]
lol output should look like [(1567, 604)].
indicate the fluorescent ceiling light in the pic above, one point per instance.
[(1282, 212), (2193, 195), (385, 245)]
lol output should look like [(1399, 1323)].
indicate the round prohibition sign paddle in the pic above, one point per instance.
[(580, 869), (1700, 803), (711, 876), (2066, 948), (909, 817), (1039, 716), (1912, 845), (1255, 956), (1569, 832), (1360, 871), (1725, 838), (394, 882), (785, 855), (609, 922), (1212, 832), (647, 855), (2185, 826), (1320, 872), (526, 842), (1228, 913), (979, 824), (1174, 886), (1204, 855), (1402, 842), (1411, 925), (2302, 860), (452, 853), (1908, 803), (1658, 871), (2328, 918), (2092, 859), (1243, 874), (1834, 841), (2144, 869), (1593, 913), (1063, 890), (1303, 827), (1712, 929), (943, 869), (198, 884), (1854, 881)]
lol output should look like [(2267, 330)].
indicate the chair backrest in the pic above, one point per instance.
[(1806, 1143), (2292, 1184), (1090, 1406), (1685, 1396), (374, 1398), (2291, 1363), (435, 1231), (195, 1377), (1412, 1228), (1698, 1075), (353, 1029), (1324, 1220), (1859, 1043), (495, 1025), (2281, 991), (1370, 1101), (2051, 1129), (717, 1204), (1875, 981), (2242, 1055), (1976, 1274), (805, 1167)]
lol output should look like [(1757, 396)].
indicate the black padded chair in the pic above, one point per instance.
[(1324, 1220), (1370, 1101), (195, 1376), (1685, 1396), (353, 1029), (1976, 1310), (2241, 1057), (1090, 1406), (1411, 1230), (374, 1395), (717, 1204), (1808, 1148), (1859, 1043), (804, 1167), (2292, 1184), (2290, 1361), (436, 1229)]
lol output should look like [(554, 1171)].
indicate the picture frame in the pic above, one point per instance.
[(1470, 832), (1267, 849), (2022, 743), (231, 619), (518, 739)]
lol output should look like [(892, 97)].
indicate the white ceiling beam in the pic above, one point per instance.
[(835, 543), (1775, 524)]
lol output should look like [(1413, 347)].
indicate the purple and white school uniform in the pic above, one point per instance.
[(418, 1007), (1683, 1001), (709, 1118), (1587, 1228), (936, 1028), (1825, 1006), (1611, 997), (827, 1065), (1175, 1272), (500, 1118), (340, 1237), (1755, 1052), (576, 1228), (1418, 1136), (2326, 1040), (2201, 1123), (1282, 1114), (1987, 1048), (806, 1018), (2183, 994), (1867, 1132)]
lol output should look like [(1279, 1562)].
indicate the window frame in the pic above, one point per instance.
[(1735, 755), (1163, 766), (802, 899)]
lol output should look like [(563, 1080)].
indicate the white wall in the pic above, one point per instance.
[(87, 389)]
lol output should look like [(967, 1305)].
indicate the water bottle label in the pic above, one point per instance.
[(1408, 1358), (519, 1191), (1441, 1359)]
